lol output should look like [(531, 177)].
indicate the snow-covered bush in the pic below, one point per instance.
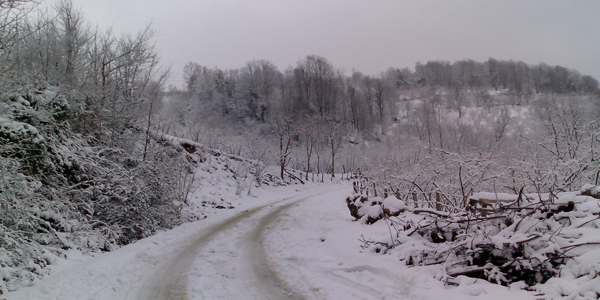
[(18, 243), (60, 189)]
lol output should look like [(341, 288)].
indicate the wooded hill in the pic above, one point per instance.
[(81, 168), (508, 115), (315, 87)]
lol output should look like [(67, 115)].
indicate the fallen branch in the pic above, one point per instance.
[(571, 247)]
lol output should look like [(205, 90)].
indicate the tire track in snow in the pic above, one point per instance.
[(340, 276), (170, 282), (260, 277)]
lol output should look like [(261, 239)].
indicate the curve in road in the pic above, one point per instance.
[(169, 282), (263, 280)]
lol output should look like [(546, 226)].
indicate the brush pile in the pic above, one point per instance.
[(549, 243)]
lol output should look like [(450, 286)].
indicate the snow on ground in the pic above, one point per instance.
[(120, 274), (311, 249), (316, 245)]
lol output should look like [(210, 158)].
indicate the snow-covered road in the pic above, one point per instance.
[(262, 280), (170, 280), (286, 243), (245, 229)]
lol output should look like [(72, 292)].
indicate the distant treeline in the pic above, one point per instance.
[(516, 76), (314, 87)]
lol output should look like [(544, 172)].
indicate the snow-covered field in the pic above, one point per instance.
[(294, 242)]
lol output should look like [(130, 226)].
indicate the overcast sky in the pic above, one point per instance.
[(369, 36)]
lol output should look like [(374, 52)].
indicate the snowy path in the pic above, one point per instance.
[(170, 281), (261, 276), (288, 243)]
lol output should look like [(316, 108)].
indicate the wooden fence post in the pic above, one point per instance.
[(438, 203), (415, 200), (374, 190)]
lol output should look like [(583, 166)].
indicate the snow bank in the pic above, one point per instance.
[(492, 197)]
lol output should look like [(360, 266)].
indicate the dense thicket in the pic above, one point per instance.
[(78, 167)]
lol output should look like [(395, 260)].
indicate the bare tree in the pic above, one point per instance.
[(13, 30), (284, 131), (12, 13), (74, 37), (317, 85), (501, 124), (310, 135), (355, 108), (334, 132), (258, 79), (129, 67), (154, 90), (379, 96), (191, 73)]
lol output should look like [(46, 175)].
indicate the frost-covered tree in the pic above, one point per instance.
[(317, 85), (258, 80), (284, 131), (80, 165)]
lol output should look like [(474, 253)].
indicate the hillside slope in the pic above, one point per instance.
[(62, 190)]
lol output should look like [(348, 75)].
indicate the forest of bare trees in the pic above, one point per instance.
[(314, 87), (81, 108), (441, 120)]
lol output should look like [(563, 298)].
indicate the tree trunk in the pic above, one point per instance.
[(332, 159)]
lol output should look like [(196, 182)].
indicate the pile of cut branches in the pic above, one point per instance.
[(550, 238)]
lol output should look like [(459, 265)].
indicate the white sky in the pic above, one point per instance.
[(369, 36)]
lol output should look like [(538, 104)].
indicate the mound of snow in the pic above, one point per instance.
[(393, 206), (18, 132)]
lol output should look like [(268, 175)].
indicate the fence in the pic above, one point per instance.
[(412, 196)]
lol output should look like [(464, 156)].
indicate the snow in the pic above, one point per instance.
[(17, 132), (311, 245), (317, 246), (393, 204), (501, 197), (314, 246), (120, 274)]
